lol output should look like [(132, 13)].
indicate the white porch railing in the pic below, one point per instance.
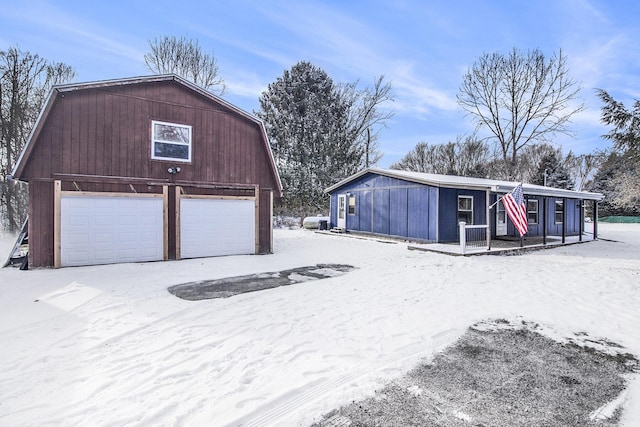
[(473, 237)]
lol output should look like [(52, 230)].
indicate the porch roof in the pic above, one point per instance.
[(453, 181)]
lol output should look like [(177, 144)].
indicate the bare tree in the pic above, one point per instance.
[(628, 189), (423, 158), (25, 81), (364, 113), (185, 58), (465, 157), (583, 168), (520, 98), (529, 159)]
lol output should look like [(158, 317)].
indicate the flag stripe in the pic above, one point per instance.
[(514, 205)]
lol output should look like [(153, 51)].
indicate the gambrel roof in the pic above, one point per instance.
[(60, 91)]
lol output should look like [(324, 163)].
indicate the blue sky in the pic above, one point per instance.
[(423, 47)]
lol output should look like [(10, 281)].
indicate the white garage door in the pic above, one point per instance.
[(108, 229), (210, 227)]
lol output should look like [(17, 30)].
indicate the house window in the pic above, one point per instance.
[(170, 141), (559, 211), (352, 205), (465, 209), (532, 211)]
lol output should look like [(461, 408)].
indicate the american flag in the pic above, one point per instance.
[(515, 207)]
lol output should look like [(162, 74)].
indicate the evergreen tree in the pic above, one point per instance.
[(623, 194), (529, 160), (626, 124), (553, 173), (621, 198), (319, 132)]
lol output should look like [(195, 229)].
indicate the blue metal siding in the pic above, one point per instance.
[(448, 211), (398, 206), (553, 229), (333, 210), (381, 214), (395, 207), (390, 206), (418, 213), (535, 229), (572, 217)]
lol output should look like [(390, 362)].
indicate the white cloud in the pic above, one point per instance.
[(72, 32)]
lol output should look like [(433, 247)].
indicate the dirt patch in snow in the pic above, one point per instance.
[(224, 288), (503, 374)]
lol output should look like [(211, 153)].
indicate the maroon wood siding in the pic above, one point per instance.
[(106, 131), (265, 218), (41, 223)]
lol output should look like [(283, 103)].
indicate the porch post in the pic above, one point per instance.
[(595, 219), (564, 219), (463, 237), (488, 219), (581, 225), (544, 220)]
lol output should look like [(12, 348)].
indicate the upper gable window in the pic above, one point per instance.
[(170, 141)]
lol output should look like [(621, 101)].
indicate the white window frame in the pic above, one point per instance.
[(465, 210), (536, 211), (556, 212), (351, 207), (154, 140)]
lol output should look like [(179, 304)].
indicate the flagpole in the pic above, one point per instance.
[(496, 202)]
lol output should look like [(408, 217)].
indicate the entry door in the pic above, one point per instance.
[(501, 220), (342, 211)]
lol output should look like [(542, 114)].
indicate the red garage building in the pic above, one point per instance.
[(145, 169)]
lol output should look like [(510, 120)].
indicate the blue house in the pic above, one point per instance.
[(428, 207)]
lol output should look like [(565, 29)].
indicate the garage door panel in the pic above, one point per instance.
[(110, 229), (213, 227)]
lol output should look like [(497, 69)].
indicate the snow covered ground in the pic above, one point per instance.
[(108, 345)]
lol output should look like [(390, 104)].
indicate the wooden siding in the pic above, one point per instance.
[(106, 132), (265, 233), (41, 225)]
